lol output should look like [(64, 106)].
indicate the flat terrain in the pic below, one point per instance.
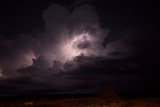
[(83, 102)]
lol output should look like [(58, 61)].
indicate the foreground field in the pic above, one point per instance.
[(84, 102), (106, 98)]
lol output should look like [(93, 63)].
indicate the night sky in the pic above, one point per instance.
[(79, 46)]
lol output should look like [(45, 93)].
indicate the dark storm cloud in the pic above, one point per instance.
[(17, 53), (62, 25), (120, 67), (91, 75)]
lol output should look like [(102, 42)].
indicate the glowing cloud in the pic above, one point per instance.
[(85, 44), (1, 75), (77, 45)]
